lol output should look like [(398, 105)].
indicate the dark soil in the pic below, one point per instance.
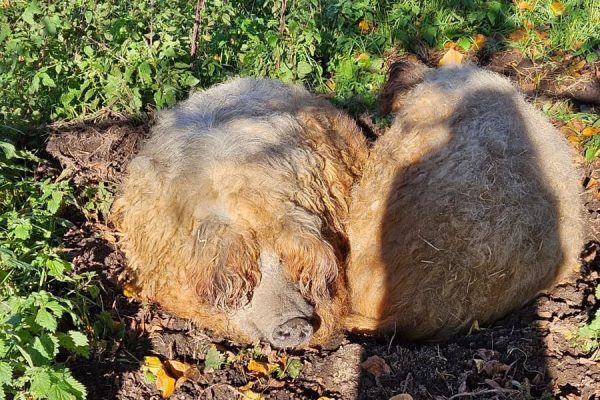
[(530, 354)]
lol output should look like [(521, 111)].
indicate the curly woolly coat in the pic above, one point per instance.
[(467, 207), (243, 169)]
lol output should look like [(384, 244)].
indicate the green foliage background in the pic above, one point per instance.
[(86, 58)]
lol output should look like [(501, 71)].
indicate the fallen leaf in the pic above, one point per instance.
[(376, 366), (363, 26), (452, 57), (262, 368), (449, 44), (524, 6), (402, 396), (324, 398), (362, 56), (577, 124), (250, 395), (479, 40), (575, 68), (574, 139), (590, 131), (176, 369), (247, 386), (518, 35), (274, 383), (591, 183), (557, 8), (330, 83), (152, 364), (165, 383), (128, 290)]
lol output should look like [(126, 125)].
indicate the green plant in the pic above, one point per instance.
[(38, 288), (587, 337)]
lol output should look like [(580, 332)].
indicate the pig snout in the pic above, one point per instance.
[(292, 332)]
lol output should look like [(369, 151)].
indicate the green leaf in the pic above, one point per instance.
[(47, 347), (46, 80), (214, 359), (464, 43), (191, 81), (145, 72), (304, 69), (76, 342), (40, 383), (55, 201), (429, 34), (8, 149), (294, 367), (23, 230), (31, 10), (46, 320), (5, 373)]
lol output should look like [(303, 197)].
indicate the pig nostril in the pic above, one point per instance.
[(292, 332)]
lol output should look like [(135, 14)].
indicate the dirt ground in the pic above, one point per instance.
[(529, 354)]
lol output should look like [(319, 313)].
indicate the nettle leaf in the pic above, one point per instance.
[(55, 201), (9, 150), (304, 69), (46, 320), (5, 373), (214, 358), (75, 341), (30, 12), (40, 382), (57, 268), (145, 72), (23, 230), (46, 345)]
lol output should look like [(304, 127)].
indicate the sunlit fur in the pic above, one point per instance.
[(467, 207), (243, 165)]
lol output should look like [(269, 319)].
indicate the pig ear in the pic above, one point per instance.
[(310, 261), (402, 76), (225, 269)]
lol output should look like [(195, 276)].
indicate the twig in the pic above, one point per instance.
[(197, 21), (282, 16), (479, 393)]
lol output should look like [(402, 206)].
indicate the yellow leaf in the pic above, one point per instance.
[(479, 40), (247, 386), (452, 57), (474, 327), (591, 183), (363, 26), (165, 383), (590, 131), (574, 139), (324, 398), (524, 5), (557, 8), (177, 369), (362, 56), (152, 364), (261, 367), (128, 290), (250, 395), (449, 45), (402, 396)]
